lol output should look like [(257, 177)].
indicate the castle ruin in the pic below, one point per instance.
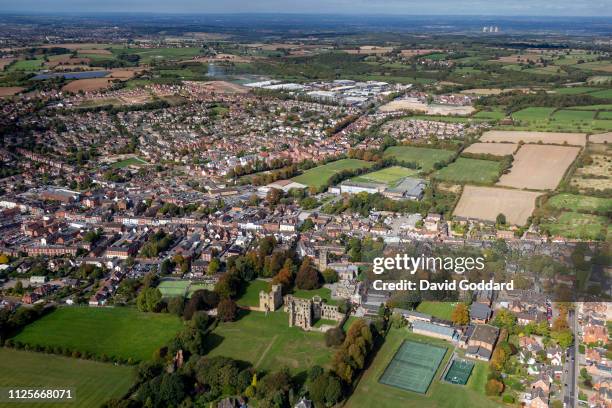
[(304, 312)]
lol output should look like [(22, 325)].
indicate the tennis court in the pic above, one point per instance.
[(171, 288), (459, 372), (413, 366)]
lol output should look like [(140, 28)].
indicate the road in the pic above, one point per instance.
[(570, 368)]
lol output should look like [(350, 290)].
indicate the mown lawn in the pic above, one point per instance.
[(250, 297), (320, 175), (267, 342), (119, 332), (443, 310), (371, 393), (464, 170), (93, 382)]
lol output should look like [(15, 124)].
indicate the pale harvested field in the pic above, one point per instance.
[(10, 90), (370, 50), (87, 85), (404, 104), (496, 149), (436, 109), (482, 91), (514, 136), (5, 61), (412, 104), (485, 203), (224, 87), (124, 73), (539, 167), (596, 176), (601, 138)]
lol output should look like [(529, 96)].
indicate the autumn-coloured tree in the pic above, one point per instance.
[(461, 314), (494, 387)]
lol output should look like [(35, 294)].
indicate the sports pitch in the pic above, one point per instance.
[(413, 366), (459, 372)]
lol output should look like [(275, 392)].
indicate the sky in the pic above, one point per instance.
[(396, 7)]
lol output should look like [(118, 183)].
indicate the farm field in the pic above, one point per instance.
[(580, 203), (442, 310), (578, 139), (464, 170), (533, 114), (496, 114), (26, 65), (496, 149), (516, 205), (601, 138), (10, 90), (424, 157), (596, 175), (93, 382), (320, 175), (539, 167), (271, 342), (371, 393), (390, 176), (116, 332), (576, 225), (87, 85)]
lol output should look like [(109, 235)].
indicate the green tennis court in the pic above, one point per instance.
[(459, 372), (413, 366), (170, 288)]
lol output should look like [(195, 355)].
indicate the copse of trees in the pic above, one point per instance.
[(350, 358)]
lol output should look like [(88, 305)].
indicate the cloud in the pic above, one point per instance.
[(447, 7)]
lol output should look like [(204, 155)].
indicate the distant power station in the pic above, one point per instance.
[(490, 29)]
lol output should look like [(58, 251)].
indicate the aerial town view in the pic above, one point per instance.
[(330, 204)]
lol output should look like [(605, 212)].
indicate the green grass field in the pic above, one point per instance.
[(443, 310), (250, 297), (324, 293), (319, 176), (390, 176), (93, 382), (574, 90), (26, 65), (496, 114), (574, 119), (132, 161), (604, 93), (269, 343), (120, 332), (580, 203), (576, 225), (424, 157), (533, 114), (370, 393), (464, 170)]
